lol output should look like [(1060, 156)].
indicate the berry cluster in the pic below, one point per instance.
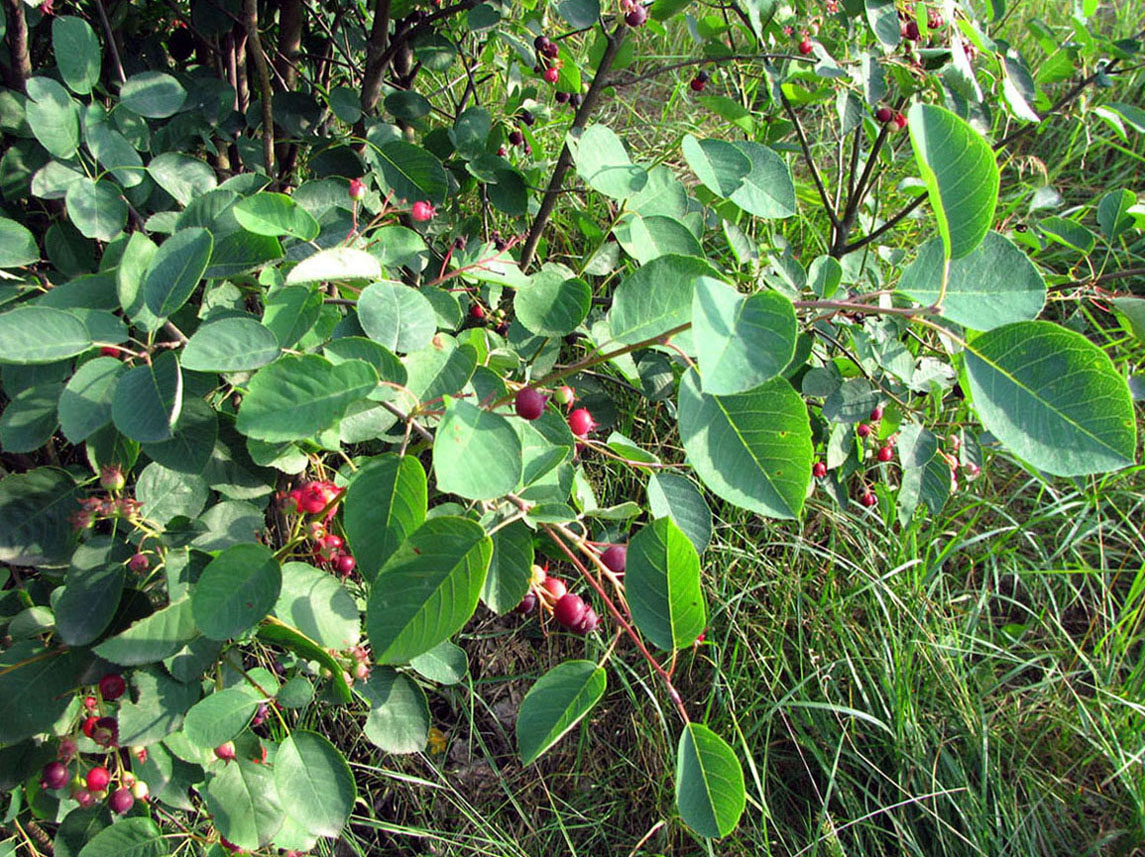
[(552, 595), (892, 120), (88, 784), (109, 506), (321, 497)]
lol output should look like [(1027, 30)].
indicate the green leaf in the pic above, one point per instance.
[(398, 721), (319, 606), (275, 214), (314, 783), (555, 704), (36, 507), (182, 176), (445, 663), (337, 264), (176, 269), (412, 173), (96, 208), (752, 449), (291, 312), (1053, 397), (85, 403), (17, 245), (77, 829), (94, 584), (53, 116), (219, 717), (720, 166), (29, 420), (111, 148), (129, 279), (554, 303), (407, 105), (281, 634), (603, 163), (978, 294), (1131, 311), (648, 238), (662, 582), (1113, 212), (960, 173), (677, 497), (580, 14), (396, 316), (153, 637), (656, 298), (1069, 233), (77, 52), (385, 502), (230, 345), (36, 687), (153, 95), (244, 803), (36, 334), (883, 19), (742, 340), (189, 449), (148, 399), (476, 453), (428, 588), (442, 369), (768, 190), (236, 589), (166, 493), (297, 396), (510, 568), (709, 782), (128, 837)]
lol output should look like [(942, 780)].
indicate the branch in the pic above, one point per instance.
[(111, 45), (549, 201), (21, 63), (655, 72), (250, 21), (831, 215), (376, 57)]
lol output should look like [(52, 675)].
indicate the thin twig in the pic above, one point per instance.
[(823, 195), (111, 45)]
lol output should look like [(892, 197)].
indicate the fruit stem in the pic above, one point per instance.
[(673, 694)]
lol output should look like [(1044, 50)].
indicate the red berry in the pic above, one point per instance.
[(900, 121), (138, 562), (862, 430), (55, 776), (90, 703), (422, 211), (615, 558), (98, 778), (805, 47), (588, 622), (910, 31), (109, 351), (89, 726), (636, 17), (886, 453), (877, 414), (552, 51), (226, 751), (551, 75), (112, 686), (84, 798), (528, 604), (105, 732), (477, 312), (121, 801), (884, 115), (869, 499), (357, 190), (581, 422), (570, 610), (67, 749), (697, 84), (555, 587), (530, 403), (344, 563), (819, 470)]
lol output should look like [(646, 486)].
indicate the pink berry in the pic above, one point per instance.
[(529, 403), (422, 211), (863, 430), (55, 775), (805, 46), (528, 604), (501, 151), (109, 351), (226, 751), (886, 453), (138, 562), (105, 732), (551, 74), (121, 801), (900, 121), (89, 726), (67, 749), (357, 190), (98, 778), (84, 798), (588, 622), (877, 414), (111, 478), (819, 470), (140, 790), (112, 686), (344, 563), (615, 558), (555, 587), (570, 610), (581, 422), (564, 395)]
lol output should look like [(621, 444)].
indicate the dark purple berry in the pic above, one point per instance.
[(570, 610), (55, 775), (530, 403), (615, 558)]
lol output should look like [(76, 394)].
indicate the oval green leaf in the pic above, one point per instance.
[(656, 298), (1053, 397), (396, 316), (428, 589), (385, 502), (476, 453), (338, 264), (314, 783), (709, 782), (153, 94), (676, 496), (176, 269), (236, 589), (555, 704), (220, 716), (275, 214), (244, 803), (36, 334), (554, 303), (129, 837), (85, 403), (230, 345), (77, 53), (148, 399), (319, 606), (662, 582), (398, 721)]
